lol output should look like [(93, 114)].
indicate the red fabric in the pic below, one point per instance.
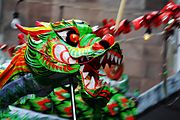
[(111, 108), (130, 118)]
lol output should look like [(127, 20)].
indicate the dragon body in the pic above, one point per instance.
[(59, 53)]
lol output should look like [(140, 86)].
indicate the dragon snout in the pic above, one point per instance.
[(106, 42)]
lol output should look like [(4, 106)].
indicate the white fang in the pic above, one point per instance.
[(82, 68), (85, 74), (112, 56), (101, 59), (116, 59), (108, 55), (92, 83)]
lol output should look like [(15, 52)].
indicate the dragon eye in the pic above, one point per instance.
[(63, 35), (74, 38), (70, 36)]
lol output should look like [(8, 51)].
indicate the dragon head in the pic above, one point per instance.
[(70, 46)]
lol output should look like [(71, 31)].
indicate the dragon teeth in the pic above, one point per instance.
[(112, 57), (82, 67), (108, 55), (86, 82), (87, 57), (116, 59), (119, 61), (85, 74), (92, 83), (101, 59)]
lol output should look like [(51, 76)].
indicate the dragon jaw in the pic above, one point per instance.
[(101, 70)]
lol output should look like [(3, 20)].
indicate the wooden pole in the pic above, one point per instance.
[(164, 60), (73, 104), (120, 13), (61, 12), (164, 63), (72, 80)]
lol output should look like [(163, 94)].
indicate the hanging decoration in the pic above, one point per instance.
[(169, 16)]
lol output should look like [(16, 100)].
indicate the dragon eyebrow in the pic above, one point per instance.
[(80, 22), (69, 28)]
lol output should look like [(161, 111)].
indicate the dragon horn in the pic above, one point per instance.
[(38, 24), (45, 24), (33, 31)]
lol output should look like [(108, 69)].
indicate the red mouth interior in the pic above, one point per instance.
[(110, 63), (114, 72), (99, 71)]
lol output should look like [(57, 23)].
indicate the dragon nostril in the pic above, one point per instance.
[(104, 43)]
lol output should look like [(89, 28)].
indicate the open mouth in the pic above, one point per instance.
[(97, 72)]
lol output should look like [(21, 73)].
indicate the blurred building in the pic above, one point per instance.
[(142, 59)]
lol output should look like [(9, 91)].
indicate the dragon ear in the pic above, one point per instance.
[(34, 31)]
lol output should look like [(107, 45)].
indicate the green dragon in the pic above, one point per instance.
[(59, 53)]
